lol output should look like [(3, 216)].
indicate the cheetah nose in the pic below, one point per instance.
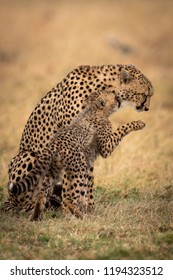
[(146, 109)]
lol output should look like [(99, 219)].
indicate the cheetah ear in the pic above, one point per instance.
[(100, 103), (125, 77)]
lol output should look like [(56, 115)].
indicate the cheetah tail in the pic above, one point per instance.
[(25, 185), (32, 179)]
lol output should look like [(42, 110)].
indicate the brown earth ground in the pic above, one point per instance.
[(41, 41)]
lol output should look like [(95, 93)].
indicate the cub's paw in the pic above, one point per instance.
[(138, 125)]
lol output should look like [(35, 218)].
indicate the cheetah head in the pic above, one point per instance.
[(129, 84), (131, 87)]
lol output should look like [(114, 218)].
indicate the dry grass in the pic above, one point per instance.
[(125, 225), (42, 42)]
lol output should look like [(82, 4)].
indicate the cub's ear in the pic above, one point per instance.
[(125, 77), (100, 103)]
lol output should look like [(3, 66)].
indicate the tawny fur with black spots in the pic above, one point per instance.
[(61, 106), (72, 153)]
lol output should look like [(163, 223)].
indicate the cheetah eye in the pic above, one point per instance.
[(125, 80), (125, 77), (100, 103)]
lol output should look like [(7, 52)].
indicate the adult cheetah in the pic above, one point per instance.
[(62, 105), (73, 150)]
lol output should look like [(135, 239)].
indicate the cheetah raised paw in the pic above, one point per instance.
[(138, 125)]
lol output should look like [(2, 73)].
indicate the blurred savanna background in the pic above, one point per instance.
[(40, 43)]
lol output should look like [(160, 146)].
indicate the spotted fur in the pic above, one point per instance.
[(73, 151), (60, 107)]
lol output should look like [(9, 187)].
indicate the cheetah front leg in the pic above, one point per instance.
[(109, 140)]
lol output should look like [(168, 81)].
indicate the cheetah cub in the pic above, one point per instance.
[(73, 151)]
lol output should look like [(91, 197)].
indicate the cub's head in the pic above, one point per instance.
[(103, 102)]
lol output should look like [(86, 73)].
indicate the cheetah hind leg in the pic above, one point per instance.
[(47, 194), (90, 189), (74, 194), (11, 204), (40, 198)]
